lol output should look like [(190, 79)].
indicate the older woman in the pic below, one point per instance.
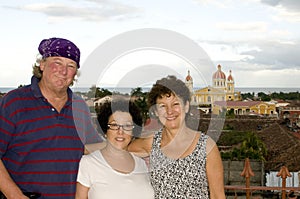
[(184, 163), (112, 172)]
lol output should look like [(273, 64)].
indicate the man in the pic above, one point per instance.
[(44, 126)]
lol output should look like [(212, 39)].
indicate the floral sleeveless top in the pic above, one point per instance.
[(180, 178)]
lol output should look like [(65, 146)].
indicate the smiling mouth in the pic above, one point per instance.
[(120, 139), (171, 118), (62, 78)]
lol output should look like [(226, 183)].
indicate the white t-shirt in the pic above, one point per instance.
[(106, 183)]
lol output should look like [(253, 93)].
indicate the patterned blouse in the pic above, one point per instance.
[(179, 178)]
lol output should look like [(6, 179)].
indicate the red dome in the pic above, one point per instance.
[(188, 77), (219, 74), (230, 78)]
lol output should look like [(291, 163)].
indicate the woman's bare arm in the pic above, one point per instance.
[(81, 191), (214, 169), (141, 146)]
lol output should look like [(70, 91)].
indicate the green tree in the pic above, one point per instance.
[(92, 92), (263, 96), (102, 93), (96, 92), (230, 113), (141, 101), (248, 96), (286, 96), (251, 147)]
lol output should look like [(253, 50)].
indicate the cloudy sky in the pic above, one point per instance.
[(258, 40)]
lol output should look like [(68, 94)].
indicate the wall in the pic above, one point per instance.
[(233, 170)]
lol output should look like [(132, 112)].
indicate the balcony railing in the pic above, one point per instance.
[(248, 190)]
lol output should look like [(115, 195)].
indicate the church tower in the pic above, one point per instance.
[(230, 83), (230, 88), (189, 82)]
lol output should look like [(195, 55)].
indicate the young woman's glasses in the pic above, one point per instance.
[(125, 127)]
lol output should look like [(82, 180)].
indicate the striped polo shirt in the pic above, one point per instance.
[(40, 147)]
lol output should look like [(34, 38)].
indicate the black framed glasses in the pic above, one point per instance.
[(125, 127)]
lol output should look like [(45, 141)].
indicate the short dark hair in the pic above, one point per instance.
[(167, 86), (123, 105)]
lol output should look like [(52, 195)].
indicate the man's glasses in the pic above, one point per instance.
[(125, 127)]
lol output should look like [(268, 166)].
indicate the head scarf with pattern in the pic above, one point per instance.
[(59, 47)]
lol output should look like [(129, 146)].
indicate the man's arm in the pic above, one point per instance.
[(7, 186)]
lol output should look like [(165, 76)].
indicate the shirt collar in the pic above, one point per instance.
[(37, 91)]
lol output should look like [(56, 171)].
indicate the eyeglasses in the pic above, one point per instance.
[(125, 127)]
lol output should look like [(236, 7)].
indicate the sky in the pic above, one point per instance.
[(258, 40)]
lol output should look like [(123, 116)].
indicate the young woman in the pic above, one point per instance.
[(113, 172)]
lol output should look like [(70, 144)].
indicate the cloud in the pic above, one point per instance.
[(255, 55), (277, 55), (87, 11), (247, 26), (288, 10), (217, 3), (292, 5)]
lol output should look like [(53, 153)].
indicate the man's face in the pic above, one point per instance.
[(58, 72)]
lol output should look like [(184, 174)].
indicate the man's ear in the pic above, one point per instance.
[(42, 65)]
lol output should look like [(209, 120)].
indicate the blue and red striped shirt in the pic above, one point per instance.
[(40, 147)]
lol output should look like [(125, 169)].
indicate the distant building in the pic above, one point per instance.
[(189, 82), (221, 96), (245, 107), (290, 113), (222, 89), (98, 102)]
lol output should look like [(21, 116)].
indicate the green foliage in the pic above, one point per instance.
[(141, 101), (275, 95), (228, 127), (264, 97), (248, 96), (96, 92), (231, 138), (286, 96), (251, 147), (230, 113)]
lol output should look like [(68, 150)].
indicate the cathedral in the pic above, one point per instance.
[(222, 89), (222, 95)]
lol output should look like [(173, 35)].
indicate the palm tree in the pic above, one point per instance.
[(252, 147)]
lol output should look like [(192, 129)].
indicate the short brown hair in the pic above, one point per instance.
[(167, 86)]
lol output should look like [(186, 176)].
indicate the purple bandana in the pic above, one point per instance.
[(59, 47)]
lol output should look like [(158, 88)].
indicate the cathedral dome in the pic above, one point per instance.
[(219, 74)]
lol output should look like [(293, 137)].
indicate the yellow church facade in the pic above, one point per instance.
[(222, 89), (244, 107), (221, 96)]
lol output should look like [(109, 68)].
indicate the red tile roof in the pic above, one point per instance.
[(237, 103)]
